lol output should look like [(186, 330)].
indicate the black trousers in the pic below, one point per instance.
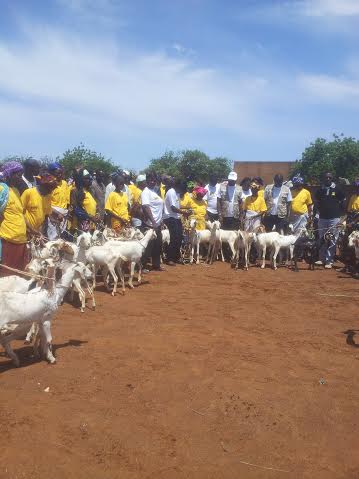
[(230, 223), (176, 236), (273, 221), (153, 249), (212, 216)]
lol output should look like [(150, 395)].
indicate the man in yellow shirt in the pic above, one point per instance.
[(60, 200), (13, 250), (254, 208), (302, 205), (117, 205), (353, 208), (135, 194), (36, 202)]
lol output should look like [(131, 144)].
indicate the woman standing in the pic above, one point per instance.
[(117, 205), (152, 206), (13, 250), (199, 207), (254, 208), (302, 205), (83, 203)]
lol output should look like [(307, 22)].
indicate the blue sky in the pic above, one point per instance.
[(247, 79)]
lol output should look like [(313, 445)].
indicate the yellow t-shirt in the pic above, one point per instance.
[(162, 191), (89, 204), (301, 201), (199, 208), (61, 195), (117, 203), (36, 207), (185, 201), (261, 193), (256, 204), (12, 220), (135, 194), (353, 205)]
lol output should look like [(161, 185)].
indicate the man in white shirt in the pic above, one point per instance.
[(278, 198), (152, 206), (211, 198), (229, 203), (172, 219)]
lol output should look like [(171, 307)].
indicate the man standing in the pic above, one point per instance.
[(211, 198), (60, 200), (98, 191), (229, 203), (31, 170), (117, 205), (172, 219), (329, 205), (278, 199), (136, 208)]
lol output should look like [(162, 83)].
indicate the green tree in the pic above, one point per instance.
[(340, 156), (85, 158), (190, 164)]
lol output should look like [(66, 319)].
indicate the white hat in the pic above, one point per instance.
[(140, 178), (232, 176), (126, 172)]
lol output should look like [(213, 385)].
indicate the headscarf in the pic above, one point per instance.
[(54, 166), (199, 190), (10, 168), (297, 180)]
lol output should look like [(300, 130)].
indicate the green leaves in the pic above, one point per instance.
[(340, 156), (83, 157)]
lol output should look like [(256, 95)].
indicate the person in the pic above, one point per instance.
[(172, 219), (31, 171), (278, 199), (199, 207), (117, 205), (60, 200), (254, 208), (136, 208), (302, 205), (111, 186), (229, 203), (98, 191), (211, 198), (152, 206), (165, 185), (13, 238), (85, 215), (353, 208), (36, 202), (329, 205), (246, 187), (260, 181)]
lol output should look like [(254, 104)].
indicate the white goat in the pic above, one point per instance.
[(263, 242), (230, 237), (244, 243), (353, 242), (215, 244), (196, 238)]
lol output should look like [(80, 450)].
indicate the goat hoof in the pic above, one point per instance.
[(27, 341), (262, 267)]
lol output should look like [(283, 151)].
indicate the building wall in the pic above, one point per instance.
[(265, 169)]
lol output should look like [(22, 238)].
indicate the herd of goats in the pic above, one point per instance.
[(58, 267)]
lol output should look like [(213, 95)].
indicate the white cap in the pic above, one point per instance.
[(140, 178), (232, 176), (126, 172)]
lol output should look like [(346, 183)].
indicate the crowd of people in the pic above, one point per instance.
[(40, 202)]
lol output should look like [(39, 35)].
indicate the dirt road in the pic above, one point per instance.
[(193, 375)]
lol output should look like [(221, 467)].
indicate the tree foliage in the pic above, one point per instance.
[(85, 158), (190, 165), (339, 156)]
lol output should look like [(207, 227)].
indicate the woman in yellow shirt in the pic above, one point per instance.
[(60, 200), (85, 216), (199, 207), (302, 205), (117, 205), (353, 207), (254, 207), (13, 250), (36, 202)]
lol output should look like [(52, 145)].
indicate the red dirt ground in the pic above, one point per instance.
[(192, 375)]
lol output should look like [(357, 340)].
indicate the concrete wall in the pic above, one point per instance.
[(265, 169)]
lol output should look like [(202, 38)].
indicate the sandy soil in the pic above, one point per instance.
[(192, 375)]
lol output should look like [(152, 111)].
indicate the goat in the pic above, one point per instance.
[(264, 241), (215, 244), (244, 243), (197, 237), (287, 241), (229, 237)]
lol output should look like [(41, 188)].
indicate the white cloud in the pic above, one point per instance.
[(106, 13), (324, 8), (331, 90)]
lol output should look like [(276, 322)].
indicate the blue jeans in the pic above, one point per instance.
[(327, 253)]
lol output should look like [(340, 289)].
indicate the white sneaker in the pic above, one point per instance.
[(328, 266), (319, 263)]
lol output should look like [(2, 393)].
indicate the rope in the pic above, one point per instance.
[(24, 273)]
